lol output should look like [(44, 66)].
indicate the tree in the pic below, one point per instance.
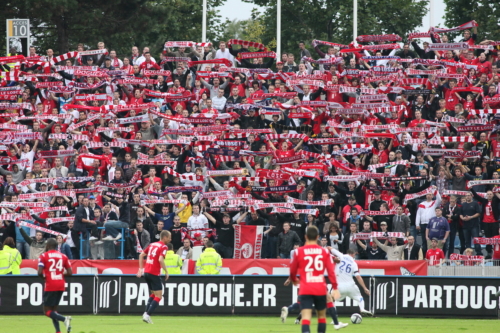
[(120, 24), (331, 20), (484, 12)]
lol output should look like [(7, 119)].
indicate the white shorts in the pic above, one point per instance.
[(350, 290)]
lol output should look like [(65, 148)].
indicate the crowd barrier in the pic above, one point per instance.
[(236, 267), (251, 295)]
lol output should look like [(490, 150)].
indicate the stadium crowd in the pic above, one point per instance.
[(396, 141)]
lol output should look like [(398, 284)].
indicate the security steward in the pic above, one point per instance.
[(9, 246), (173, 261), (5, 261), (209, 262)]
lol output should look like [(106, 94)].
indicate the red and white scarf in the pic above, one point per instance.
[(42, 229), (486, 241), (246, 44), (50, 221), (468, 25), (311, 203), (249, 55), (447, 46), (45, 195), (472, 183), (277, 210), (462, 193), (412, 196), (378, 38), (288, 160)]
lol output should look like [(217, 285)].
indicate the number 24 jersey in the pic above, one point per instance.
[(54, 263)]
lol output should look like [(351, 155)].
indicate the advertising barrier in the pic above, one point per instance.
[(237, 267), (255, 295)]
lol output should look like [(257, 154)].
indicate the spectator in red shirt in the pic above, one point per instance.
[(148, 63), (483, 65), (434, 255)]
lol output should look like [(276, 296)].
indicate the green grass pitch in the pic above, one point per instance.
[(237, 324)]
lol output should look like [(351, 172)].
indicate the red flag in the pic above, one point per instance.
[(248, 241)]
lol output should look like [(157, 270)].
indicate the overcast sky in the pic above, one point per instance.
[(237, 9)]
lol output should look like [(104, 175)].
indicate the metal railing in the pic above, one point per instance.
[(108, 247), (465, 268)]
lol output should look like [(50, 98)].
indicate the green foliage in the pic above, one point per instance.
[(484, 12), (253, 29), (331, 20), (120, 24)]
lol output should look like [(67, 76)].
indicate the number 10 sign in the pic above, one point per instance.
[(17, 30)]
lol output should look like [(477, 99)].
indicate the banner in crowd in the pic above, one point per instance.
[(248, 241)]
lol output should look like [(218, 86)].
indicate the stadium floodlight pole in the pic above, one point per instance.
[(354, 22), (204, 23), (278, 31), (355, 19), (430, 13)]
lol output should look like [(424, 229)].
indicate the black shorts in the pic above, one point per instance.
[(312, 301), (52, 298), (153, 281)]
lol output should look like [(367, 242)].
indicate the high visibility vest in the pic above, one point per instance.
[(209, 262), (16, 259), (173, 263), (5, 260)]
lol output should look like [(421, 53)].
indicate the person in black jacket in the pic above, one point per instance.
[(412, 251), (308, 95), (422, 53), (452, 212)]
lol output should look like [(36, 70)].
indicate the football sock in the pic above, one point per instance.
[(330, 308), (151, 298), (361, 304), (56, 325), (294, 306), (54, 315), (321, 325), (153, 305), (305, 326), (299, 317)]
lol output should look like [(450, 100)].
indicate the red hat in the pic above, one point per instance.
[(198, 234), (279, 62)]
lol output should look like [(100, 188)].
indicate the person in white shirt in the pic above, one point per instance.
[(142, 58), (426, 211), (197, 221), (27, 154), (115, 62), (345, 270), (219, 101), (222, 52)]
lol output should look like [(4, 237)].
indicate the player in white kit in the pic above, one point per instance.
[(345, 271)]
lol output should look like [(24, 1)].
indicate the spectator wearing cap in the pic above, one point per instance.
[(92, 202), (377, 201), (107, 64)]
